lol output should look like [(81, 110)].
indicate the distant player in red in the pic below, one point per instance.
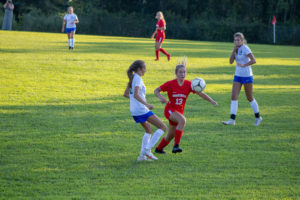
[(160, 35), (178, 91)]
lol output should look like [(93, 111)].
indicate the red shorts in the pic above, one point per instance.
[(168, 112), (160, 38)]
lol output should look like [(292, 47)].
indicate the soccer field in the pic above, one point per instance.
[(66, 131)]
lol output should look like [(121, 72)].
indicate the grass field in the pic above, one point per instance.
[(66, 131)]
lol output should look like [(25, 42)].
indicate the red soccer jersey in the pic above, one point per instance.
[(177, 94), (160, 24)]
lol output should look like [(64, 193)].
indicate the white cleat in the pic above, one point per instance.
[(150, 155), (257, 121), (142, 158), (229, 122)]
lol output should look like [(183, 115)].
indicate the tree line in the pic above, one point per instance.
[(211, 20)]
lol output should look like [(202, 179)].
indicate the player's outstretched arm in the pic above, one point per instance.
[(63, 26), (207, 98)]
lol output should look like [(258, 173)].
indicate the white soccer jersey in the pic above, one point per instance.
[(70, 18), (136, 107), (242, 57)]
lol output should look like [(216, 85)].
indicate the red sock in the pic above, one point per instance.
[(178, 134), (157, 54), (164, 51), (162, 144)]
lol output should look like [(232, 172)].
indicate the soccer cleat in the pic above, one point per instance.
[(156, 60), (257, 121), (169, 57), (70, 48), (176, 149), (229, 122), (142, 158), (159, 151), (150, 155)]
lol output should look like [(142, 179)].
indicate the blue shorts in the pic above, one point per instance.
[(69, 30), (142, 118), (243, 80)]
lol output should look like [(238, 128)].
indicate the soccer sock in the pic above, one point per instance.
[(163, 143), (155, 137), (233, 109), (178, 134), (73, 42), (164, 51), (145, 141), (69, 42), (157, 54), (255, 109)]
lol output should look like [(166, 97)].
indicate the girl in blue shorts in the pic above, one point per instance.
[(140, 109), (243, 76), (70, 20)]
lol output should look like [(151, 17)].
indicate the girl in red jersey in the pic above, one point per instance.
[(178, 91), (160, 35)]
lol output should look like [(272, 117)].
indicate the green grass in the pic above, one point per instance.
[(66, 131)]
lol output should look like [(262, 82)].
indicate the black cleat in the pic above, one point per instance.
[(159, 151), (176, 149), (70, 48)]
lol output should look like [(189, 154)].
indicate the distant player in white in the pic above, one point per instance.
[(71, 20), (243, 76), (140, 109)]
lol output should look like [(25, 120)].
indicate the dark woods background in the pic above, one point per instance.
[(211, 20)]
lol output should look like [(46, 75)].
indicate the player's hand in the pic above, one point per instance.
[(163, 100), (215, 103), (150, 107)]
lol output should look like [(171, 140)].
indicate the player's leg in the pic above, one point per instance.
[(181, 121), (164, 51), (157, 47), (166, 140), (153, 119), (69, 39), (249, 94), (146, 138), (236, 88), (72, 34)]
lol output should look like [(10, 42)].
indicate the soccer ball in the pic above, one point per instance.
[(198, 85)]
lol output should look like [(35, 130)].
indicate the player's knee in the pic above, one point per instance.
[(182, 122), (163, 127)]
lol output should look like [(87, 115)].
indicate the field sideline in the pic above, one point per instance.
[(66, 131)]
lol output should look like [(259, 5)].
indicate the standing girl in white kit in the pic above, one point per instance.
[(243, 76), (140, 109), (71, 20)]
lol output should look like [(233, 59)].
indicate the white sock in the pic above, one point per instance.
[(154, 139), (69, 42), (145, 141), (254, 106), (73, 42), (233, 107)]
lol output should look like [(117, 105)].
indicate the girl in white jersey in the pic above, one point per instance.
[(140, 109), (243, 76), (71, 20)]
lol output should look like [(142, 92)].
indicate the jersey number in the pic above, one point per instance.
[(179, 101)]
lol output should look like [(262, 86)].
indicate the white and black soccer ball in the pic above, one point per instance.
[(198, 85)]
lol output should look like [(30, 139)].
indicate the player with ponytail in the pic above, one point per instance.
[(140, 109), (178, 91), (160, 35)]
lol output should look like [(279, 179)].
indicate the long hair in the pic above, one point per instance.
[(240, 35), (162, 17), (138, 64), (181, 64)]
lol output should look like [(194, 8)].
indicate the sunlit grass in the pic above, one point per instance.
[(66, 131)]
